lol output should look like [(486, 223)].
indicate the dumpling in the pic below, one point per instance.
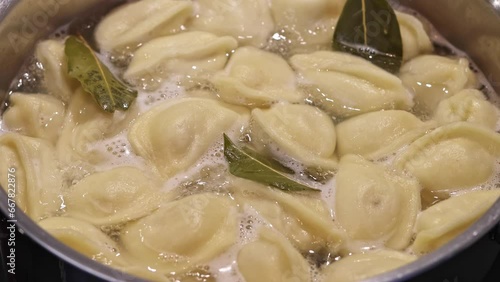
[(37, 176), (84, 238), (303, 132), (174, 135), (434, 78), (345, 85), (184, 233), (139, 22), (256, 78), (85, 123), (305, 221), (467, 105), (35, 115), (359, 267), (415, 38), (307, 25), (445, 220), (374, 204), (272, 258), (115, 196), (56, 79), (248, 21), (377, 134), (187, 52), (456, 156)]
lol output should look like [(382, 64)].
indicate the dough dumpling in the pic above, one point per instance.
[(358, 267), (345, 85), (272, 258), (373, 204), (86, 123), (307, 25), (434, 78), (305, 221), (256, 78), (141, 21), (303, 132), (35, 115), (111, 197), (377, 134), (188, 52), (37, 176), (415, 38), (445, 220), (453, 157), (248, 21), (174, 135), (467, 105), (184, 233), (56, 79), (84, 238)]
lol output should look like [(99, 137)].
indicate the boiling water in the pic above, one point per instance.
[(209, 172)]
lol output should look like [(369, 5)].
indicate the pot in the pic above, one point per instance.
[(471, 25)]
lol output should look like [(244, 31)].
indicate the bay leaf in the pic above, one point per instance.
[(248, 164), (370, 29), (95, 77)]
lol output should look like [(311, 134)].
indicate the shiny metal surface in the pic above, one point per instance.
[(471, 25)]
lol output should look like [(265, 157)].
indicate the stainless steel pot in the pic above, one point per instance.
[(471, 25)]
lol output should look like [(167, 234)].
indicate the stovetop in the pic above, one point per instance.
[(35, 264)]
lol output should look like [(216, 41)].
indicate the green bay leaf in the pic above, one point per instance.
[(248, 164), (370, 29), (95, 77)]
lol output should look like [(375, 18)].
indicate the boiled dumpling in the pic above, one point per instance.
[(84, 238), (467, 105), (345, 85), (303, 132), (256, 78), (51, 55), (307, 25), (304, 220), (184, 233), (174, 135), (187, 52), (375, 135), (445, 220), (86, 123), (248, 21), (415, 38), (373, 204), (37, 178), (111, 197), (35, 115), (434, 78), (272, 258), (358, 267), (139, 22), (455, 156)]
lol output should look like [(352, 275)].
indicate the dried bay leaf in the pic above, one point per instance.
[(95, 77)]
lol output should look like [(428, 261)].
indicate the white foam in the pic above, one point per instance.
[(118, 152), (168, 91)]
